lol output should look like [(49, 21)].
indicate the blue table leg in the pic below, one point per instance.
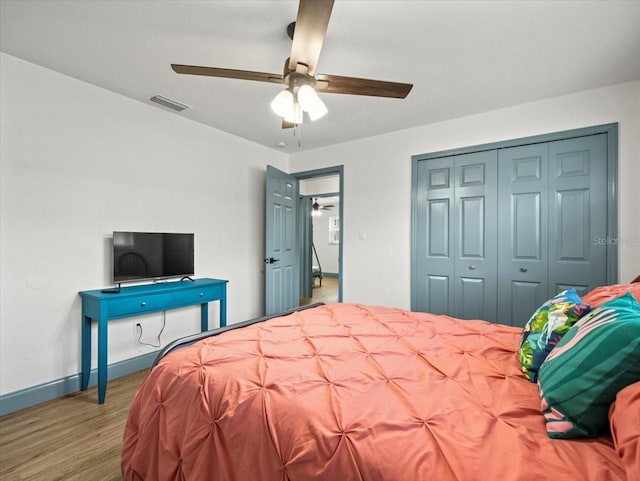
[(223, 311), (86, 351), (204, 317), (102, 358)]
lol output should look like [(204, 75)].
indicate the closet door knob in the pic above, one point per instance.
[(472, 267), (523, 269)]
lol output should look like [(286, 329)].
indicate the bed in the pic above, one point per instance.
[(352, 392)]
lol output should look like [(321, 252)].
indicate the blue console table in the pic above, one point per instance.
[(135, 301)]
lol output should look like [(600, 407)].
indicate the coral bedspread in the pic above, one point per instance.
[(349, 392)]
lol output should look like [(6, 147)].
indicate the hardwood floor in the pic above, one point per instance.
[(326, 293), (72, 438)]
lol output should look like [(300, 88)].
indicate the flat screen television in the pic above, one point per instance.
[(141, 256)]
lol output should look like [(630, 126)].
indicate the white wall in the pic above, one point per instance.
[(78, 162), (377, 181)]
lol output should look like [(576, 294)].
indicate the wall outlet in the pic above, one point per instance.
[(137, 329)]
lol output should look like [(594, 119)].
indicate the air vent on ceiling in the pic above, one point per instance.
[(172, 104)]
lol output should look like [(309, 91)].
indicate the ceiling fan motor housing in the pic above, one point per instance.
[(295, 80)]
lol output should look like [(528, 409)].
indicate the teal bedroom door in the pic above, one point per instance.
[(282, 269)]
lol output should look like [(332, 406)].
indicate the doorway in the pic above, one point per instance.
[(320, 235), (324, 238), (288, 234)]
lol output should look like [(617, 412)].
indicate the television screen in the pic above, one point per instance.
[(151, 255)]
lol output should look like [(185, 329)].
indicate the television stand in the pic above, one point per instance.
[(134, 301)]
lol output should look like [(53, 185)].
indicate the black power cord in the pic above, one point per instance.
[(164, 323)]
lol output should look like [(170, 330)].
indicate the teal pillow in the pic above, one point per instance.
[(599, 356), (546, 327)]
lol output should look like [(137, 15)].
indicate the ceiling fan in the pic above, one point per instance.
[(317, 208), (299, 76)]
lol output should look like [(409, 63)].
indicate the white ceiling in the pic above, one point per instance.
[(333, 200), (463, 57)]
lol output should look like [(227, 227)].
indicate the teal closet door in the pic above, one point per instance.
[(552, 201), (475, 246), (499, 229), (523, 247), (434, 245), (578, 214), (456, 236)]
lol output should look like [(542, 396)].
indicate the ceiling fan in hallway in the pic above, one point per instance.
[(299, 76), (316, 208)]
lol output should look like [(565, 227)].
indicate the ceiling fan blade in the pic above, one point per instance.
[(335, 84), (228, 73), (311, 28)]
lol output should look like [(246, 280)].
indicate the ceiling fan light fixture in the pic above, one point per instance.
[(294, 116), (318, 111), (283, 104), (310, 102)]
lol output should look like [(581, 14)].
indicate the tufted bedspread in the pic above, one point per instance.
[(349, 392)]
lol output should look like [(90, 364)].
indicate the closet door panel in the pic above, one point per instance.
[(525, 298), (437, 294), (471, 299), (475, 247), (577, 214), (522, 232), (438, 227), (434, 246), (526, 226)]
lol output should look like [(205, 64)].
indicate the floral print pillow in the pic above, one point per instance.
[(546, 327)]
